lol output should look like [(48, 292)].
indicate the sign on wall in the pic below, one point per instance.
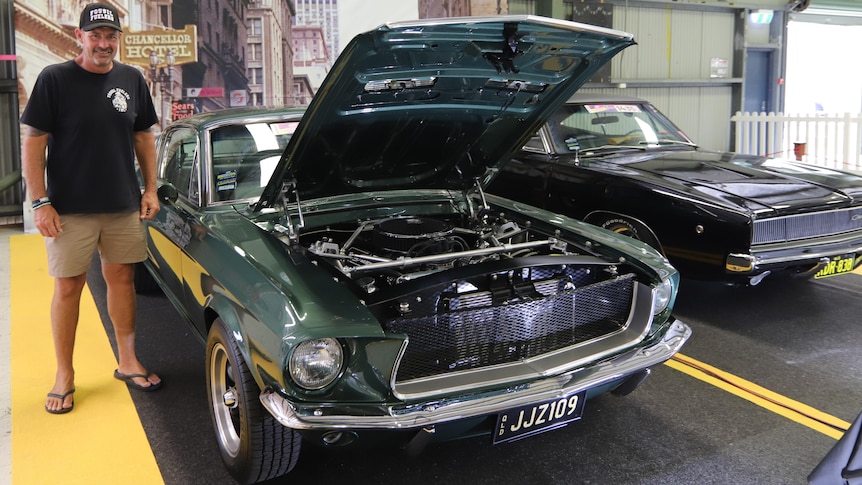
[(135, 47), (204, 92), (182, 109), (239, 97)]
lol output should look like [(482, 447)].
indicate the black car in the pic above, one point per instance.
[(618, 163)]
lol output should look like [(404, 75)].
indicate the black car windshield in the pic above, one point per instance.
[(601, 127)]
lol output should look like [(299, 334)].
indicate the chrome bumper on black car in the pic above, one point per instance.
[(766, 256), (319, 417)]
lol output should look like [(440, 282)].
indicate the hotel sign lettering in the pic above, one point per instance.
[(136, 46)]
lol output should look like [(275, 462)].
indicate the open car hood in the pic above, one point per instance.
[(436, 103)]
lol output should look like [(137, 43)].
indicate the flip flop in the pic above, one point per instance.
[(61, 397), (127, 378)]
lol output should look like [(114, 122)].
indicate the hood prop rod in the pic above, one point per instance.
[(292, 230), (469, 200)]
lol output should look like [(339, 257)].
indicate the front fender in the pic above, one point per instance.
[(262, 349)]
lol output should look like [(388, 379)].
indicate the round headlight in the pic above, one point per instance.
[(316, 363), (661, 296)]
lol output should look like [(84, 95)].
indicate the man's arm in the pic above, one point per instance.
[(145, 151), (33, 161)]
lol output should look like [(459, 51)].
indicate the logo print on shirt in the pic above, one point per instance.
[(120, 99)]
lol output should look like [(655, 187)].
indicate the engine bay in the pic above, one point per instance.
[(387, 252), (422, 265)]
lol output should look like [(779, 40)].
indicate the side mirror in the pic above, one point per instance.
[(167, 193)]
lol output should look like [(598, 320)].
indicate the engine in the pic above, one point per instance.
[(414, 236), (391, 251)]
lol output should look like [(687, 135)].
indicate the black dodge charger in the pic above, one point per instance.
[(618, 163)]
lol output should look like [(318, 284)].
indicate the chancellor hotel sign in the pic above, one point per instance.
[(135, 47)]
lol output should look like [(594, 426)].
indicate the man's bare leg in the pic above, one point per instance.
[(120, 281), (65, 306)]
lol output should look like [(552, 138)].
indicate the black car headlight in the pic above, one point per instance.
[(662, 296), (314, 364)]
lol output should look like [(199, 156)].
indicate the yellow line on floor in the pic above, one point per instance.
[(101, 440), (777, 403)]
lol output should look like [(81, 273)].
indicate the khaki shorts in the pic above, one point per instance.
[(120, 238)]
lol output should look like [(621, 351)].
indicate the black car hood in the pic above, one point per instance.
[(751, 183), (437, 103)]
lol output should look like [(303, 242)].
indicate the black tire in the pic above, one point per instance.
[(254, 446), (144, 281), (626, 228)]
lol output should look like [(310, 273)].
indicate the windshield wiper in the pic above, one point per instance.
[(602, 148), (668, 142)]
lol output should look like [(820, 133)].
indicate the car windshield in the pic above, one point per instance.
[(244, 157), (585, 127)]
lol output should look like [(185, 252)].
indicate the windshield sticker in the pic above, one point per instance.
[(286, 128), (612, 108), (226, 180), (572, 144)]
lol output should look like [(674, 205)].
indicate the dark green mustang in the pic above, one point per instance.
[(351, 278)]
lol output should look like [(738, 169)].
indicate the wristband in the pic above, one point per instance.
[(41, 202)]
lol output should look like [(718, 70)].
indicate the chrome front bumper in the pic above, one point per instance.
[(767, 256), (335, 416)]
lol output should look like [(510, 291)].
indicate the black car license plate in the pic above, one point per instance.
[(838, 265), (531, 419)]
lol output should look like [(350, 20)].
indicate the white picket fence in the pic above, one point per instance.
[(830, 139)]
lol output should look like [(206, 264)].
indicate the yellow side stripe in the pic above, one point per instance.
[(777, 403)]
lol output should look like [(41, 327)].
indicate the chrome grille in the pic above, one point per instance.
[(804, 226), (477, 334)]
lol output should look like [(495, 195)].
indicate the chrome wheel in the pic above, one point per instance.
[(225, 413), (253, 445)]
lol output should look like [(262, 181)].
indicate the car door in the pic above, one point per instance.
[(170, 232)]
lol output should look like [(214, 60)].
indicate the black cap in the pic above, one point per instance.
[(97, 15)]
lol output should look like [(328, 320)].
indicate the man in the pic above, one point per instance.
[(93, 115)]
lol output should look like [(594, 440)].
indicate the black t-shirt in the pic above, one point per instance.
[(91, 119)]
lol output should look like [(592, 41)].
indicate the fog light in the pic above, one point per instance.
[(739, 263)]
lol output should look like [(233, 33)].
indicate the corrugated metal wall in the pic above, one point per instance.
[(672, 63), (673, 44), (522, 7)]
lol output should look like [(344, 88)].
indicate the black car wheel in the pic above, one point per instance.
[(253, 445), (629, 229)]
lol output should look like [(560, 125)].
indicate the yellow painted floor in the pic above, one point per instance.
[(49, 449)]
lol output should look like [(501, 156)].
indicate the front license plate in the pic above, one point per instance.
[(533, 419), (838, 265)]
